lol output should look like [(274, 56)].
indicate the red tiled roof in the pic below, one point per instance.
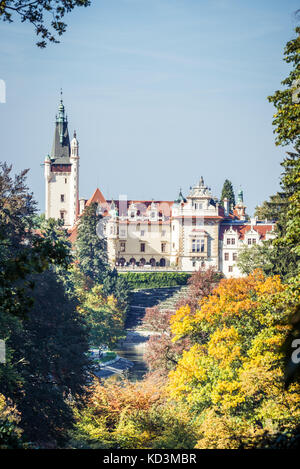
[(96, 197), (243, 229)]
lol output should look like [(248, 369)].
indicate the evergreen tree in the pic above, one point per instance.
[(91, 255), (228, 192), (287, 129), (91, 250)]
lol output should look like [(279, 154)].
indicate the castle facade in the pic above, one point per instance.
[(186, 234)]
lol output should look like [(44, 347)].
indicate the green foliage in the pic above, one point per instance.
[(228, 192), (268, 257), (272, 210), (48, 361), (91, 252), (232, 375), (35, 12), (287, 118), (103, 316), (140, 280), (46, 339), (22, 251)]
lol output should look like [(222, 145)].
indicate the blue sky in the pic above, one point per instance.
[(159, 91)]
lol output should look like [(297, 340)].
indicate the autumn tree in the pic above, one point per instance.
[(162, 354), (232, 377), (46, 16), (130, 415)]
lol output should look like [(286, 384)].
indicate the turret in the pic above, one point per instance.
[(240, 208), (62, 173)]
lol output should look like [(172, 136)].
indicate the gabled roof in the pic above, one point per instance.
[(242, 229), (97, 197)]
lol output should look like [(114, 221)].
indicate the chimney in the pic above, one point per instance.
[(81, 205), (226, 206)]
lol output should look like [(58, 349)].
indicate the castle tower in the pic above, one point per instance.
[(240, 208), (62, 173)]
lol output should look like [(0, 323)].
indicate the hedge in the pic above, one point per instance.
[(139, 280)]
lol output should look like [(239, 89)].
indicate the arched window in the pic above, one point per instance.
[(142, 261), (122, 261), (152, 262), (132, 261), (162, 262)]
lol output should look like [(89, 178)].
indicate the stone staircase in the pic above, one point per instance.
[(141, 299), (133, 346)]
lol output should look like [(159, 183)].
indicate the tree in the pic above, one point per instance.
[(130, 415), (35, 13), (287, 129), (228, 192), (22, 251), (287, 118), (91, 258), (162, 354), (49, 359), (231, 377), (272, 209), (103, 316), (271, 259), (91, 252)]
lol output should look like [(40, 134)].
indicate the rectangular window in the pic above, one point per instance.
[(249, 241), (65, 180), (142, 247), (123, 247), (202, 245), (122, 233), (228, 240), (232, 240), (226, 256), (163, 233), (234, 256), (62, 197), (62, 215), (253, 240), (142, 232), (163, 247), (230, 268)]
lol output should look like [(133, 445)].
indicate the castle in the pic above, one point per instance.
[(185, 234)]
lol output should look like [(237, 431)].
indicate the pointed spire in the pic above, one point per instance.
[(61, 143), (180, 198)]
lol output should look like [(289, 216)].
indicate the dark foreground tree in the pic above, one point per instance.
[(48, 362), (45, 15)]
